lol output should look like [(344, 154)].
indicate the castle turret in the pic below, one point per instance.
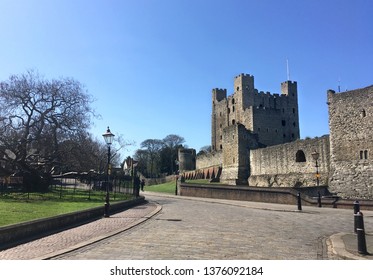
[(187, 159), (289, 88), (244, 88), (290, 114), (219, 117), (218, 94), (237, 143)]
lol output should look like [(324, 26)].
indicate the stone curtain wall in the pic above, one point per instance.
[(290, 165), (351, 142), (209, 160)]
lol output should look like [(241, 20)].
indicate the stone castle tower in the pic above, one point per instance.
[(273, 118), (249, 119), (351, 142)]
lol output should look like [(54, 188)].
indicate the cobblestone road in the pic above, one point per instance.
[(217, 229)]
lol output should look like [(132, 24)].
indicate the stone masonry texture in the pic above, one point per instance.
[(255, 140), (351, 142)]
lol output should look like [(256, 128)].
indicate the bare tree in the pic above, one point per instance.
[(171, 144), (204, 150), (152, 148), (36, 116), (83, 154), (173, 140)]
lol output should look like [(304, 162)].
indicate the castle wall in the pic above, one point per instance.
[(267, 124), (290, 164), (209, 159), (345, 162), (351, 142)]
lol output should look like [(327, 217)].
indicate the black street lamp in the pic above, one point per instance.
[(108, 136), (315, 156)]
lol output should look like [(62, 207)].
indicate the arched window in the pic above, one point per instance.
[(300, 156)]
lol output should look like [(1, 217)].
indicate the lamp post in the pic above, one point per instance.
[(177, 174), (108, 137), (315, 156)]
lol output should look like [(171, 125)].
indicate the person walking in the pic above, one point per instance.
[(142, 184)]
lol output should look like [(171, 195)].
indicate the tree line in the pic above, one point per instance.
[(158, 157), (44, 129)]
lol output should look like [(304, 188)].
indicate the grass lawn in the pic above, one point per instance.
[(170, 186), (20, 207), (164, 188)]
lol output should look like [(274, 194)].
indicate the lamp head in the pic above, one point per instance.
[(315, 155), (108, 136)]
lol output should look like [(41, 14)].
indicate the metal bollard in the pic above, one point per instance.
[(358, 221), (299, 201), (361, 242), (176, 185), (356, 210), (319, 199)]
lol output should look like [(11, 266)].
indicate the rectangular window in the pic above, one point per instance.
[(364, 154)]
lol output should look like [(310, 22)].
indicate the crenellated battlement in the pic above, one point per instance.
[(290, 82), (253, 97), (219, 94), (242, 75), (274, 117)]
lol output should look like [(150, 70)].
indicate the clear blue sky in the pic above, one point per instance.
[(151, 64)]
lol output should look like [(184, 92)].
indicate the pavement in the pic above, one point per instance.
[(341, 245)]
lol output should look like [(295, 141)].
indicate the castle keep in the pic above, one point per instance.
[(255, 141), (273, 118)]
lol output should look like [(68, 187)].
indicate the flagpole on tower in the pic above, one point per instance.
[(287, 69)]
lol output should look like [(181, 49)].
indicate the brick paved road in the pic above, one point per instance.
[(215, 229), (79, 236)]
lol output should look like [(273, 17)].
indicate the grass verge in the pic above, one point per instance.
[(20, 207), (163, 188)]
